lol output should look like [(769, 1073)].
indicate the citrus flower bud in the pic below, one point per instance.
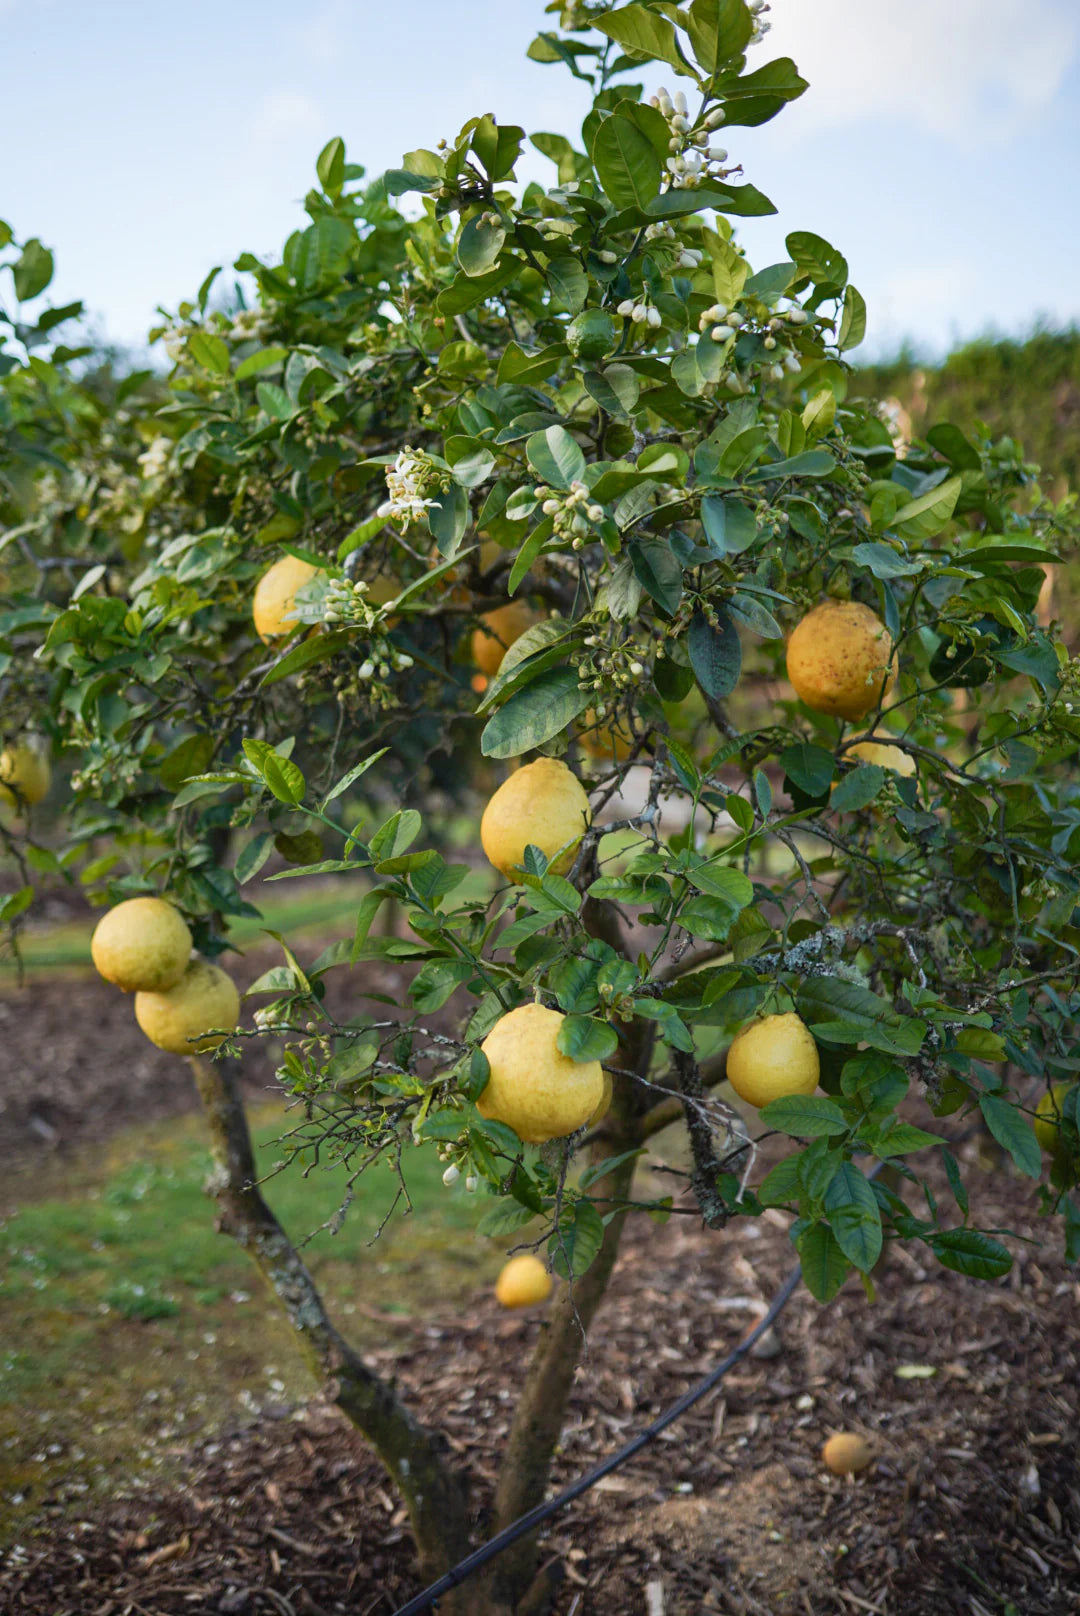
[(626, 307), (680, 103), (451, 1175), (550, 506), (595, 513), (653, 318), (715, 118), (365, 670), (471, 1184), (720, 333), (640, 313)]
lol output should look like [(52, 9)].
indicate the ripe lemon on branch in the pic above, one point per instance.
[(523, 1282), (840, 659), (142, 945), (886, 756), (533, 1087), (1049, 1116), (25, 775), (772, 1059), (179, 1018), (542, 803), (275, 596), (497, 633)]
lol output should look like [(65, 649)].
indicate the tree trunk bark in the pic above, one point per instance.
[(410, 1452)]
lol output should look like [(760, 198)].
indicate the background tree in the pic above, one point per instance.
[(585, 397)]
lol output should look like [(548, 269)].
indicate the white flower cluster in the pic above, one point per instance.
[(687, 257), (692, 158), (155, 459), (721, 323), (248, 323), (761, 23), (406, 481), (573, 512), (640, 313)]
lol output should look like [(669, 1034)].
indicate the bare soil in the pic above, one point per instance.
[(972, 1506)]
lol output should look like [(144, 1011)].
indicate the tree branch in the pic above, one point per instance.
[(408, 1450)]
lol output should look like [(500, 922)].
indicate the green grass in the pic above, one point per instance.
[(130, 1326)]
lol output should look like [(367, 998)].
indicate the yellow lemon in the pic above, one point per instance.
[(534, 1088), (542, 803), (25, 775), (275, 596), (846, 1453), (840, 659), (772, 1059), (179, 1018), (887, 757), (1048, 1117), (523, 1282), (500, 628), (142, 945)]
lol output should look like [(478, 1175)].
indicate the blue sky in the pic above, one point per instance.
[(938, 146)]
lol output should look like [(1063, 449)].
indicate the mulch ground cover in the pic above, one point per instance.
[(973, 1504)]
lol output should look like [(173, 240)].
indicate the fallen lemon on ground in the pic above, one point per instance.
[(1049, 1116), (885, 756), (141, 945), (542, 803), (772, 1059), (179, 1018), (275, 596), (523, 1282), (25, 775), (497, 633), (846, 1453), (533, 1087), (840, 659)]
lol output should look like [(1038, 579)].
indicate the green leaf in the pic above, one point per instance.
[(730, 526), (709, 917), (625, 159), (752, 615), (319, 648), (715, 654), (808, 767), (643, 33), (817, 259), (924, 517), (15, 903), (448, 519), (252, 857), (534, 714), (616, 388), (855, 1217), (884, 562), (396, 835), (824, 1266), (330, 166), (568, 282), (556, 457), (262, 359), (853, 321), (528, 553), (805, 1116), (904, 1138), (949, 441), (479, 246), (275, 401), (658, 572), (721, 882), (858, 789), (353, 775), (719, 30), (1013, 1132), (279, 773), (967, 1251), (783, 1183), (32, 270), (436, 981), (576, 1242), (505, 1217), (811, 463), (191, 756), (584, 1038), (209, 351)]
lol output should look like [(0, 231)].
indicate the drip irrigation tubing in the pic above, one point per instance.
[(543, 1512)]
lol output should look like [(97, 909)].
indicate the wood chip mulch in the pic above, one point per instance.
[(972, 1506)]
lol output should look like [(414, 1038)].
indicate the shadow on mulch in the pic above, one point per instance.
[(973, 1505)]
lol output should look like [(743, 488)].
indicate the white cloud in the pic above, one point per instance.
[(967, 69)]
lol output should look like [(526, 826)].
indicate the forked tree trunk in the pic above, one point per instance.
[(432, 1493)]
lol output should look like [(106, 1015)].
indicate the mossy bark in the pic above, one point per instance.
[(410, 1452)]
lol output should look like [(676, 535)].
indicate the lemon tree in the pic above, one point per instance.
[(249, 605)]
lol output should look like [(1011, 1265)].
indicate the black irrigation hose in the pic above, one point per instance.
[(543, 1512)]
